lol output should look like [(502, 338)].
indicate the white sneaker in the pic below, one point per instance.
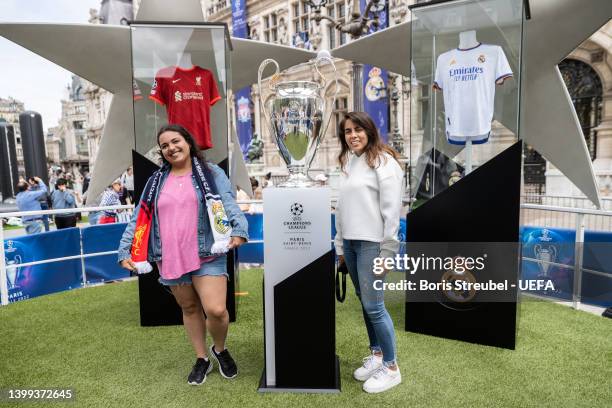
[(370, 364), (382, 380)]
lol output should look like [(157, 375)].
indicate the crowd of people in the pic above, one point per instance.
[(67, 191)]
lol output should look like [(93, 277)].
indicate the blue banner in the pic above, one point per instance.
[(31, 281), (103, 238), (375, 81), (597, 256), (244, 123), (542, 245)]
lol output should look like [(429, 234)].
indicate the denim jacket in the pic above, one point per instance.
[(235, 216)]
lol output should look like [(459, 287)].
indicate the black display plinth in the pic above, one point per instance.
[(157, 304), (305, 326), (482, 207)]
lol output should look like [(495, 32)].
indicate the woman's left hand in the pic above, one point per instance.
[(235, 242)]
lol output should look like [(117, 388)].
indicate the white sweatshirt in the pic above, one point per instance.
[(369, 204)]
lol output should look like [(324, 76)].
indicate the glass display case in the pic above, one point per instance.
[(181, 76), (466, 63)]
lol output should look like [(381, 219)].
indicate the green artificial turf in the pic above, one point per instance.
[(90, 340)]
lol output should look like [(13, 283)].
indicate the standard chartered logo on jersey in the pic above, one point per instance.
[(185, 96)]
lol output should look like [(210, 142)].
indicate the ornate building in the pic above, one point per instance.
[(587, 72), (71, 129), (10, 109)]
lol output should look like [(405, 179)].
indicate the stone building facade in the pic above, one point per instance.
[(72, 127), (10, 109)]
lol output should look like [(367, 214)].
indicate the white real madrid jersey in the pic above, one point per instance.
[(467, 79)]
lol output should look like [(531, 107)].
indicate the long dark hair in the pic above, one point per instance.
[(193, 149), (374, 148)]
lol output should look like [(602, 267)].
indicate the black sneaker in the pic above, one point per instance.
[(197, 376), (227, 365)]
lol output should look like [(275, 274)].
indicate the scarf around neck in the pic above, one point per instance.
[(210, 198)]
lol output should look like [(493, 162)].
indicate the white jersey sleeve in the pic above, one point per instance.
[(439, 77), (502, 70)]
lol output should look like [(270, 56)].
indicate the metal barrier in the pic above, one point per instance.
[(596, 220), (574, 218), (82, 256)]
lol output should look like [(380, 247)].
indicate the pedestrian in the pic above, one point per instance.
[(186, 221), (110, 197), (127, 179), (367, 223), (44, 200), (28, 199), (63, 198)]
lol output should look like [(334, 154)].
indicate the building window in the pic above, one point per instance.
[(585, 88), (301, 21), (270, 28), (340, 108), (337, 10), (423, 102), (78, 124)]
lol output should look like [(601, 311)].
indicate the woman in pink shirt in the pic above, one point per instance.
[(188, 241)]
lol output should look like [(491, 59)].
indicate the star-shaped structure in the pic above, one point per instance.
[(102, 55), (548, 118)]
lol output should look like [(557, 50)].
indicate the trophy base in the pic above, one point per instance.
[(297, 180)]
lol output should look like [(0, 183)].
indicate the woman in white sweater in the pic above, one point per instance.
[(367, 223)]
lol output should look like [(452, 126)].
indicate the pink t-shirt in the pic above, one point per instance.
[(177, 208)]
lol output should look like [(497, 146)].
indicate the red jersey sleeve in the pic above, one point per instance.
[(157, 91), (214, 92)]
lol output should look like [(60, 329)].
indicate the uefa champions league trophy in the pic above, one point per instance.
[(295, 117)]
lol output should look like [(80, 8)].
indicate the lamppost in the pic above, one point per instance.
[(359, 25)]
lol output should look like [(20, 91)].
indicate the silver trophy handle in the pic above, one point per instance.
[(325, 56), (262, 67)]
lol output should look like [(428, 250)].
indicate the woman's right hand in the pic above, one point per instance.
[(340, 259), (128, 264)]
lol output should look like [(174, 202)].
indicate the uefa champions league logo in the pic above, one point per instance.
[(13, 256), (297, 209), (545, 253)]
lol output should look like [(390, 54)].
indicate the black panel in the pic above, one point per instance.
[(157, 305), (33, 144), (9, 172), (305, 329), (482, 207), (231, 301)]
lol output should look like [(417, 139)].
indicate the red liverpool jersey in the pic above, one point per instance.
[(188, 95)]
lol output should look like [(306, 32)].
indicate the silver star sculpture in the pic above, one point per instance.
[(102, 55), (548, 118), (549, 123)]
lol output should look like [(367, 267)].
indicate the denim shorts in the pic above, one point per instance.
[(216, 267)]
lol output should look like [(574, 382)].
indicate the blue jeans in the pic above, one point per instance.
[(33, 226), (45, 218), (359, 257), (216, 267)]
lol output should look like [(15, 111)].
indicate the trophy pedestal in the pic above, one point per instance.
[(299, 302)]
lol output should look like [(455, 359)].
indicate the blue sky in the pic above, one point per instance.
[(38, 83)]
